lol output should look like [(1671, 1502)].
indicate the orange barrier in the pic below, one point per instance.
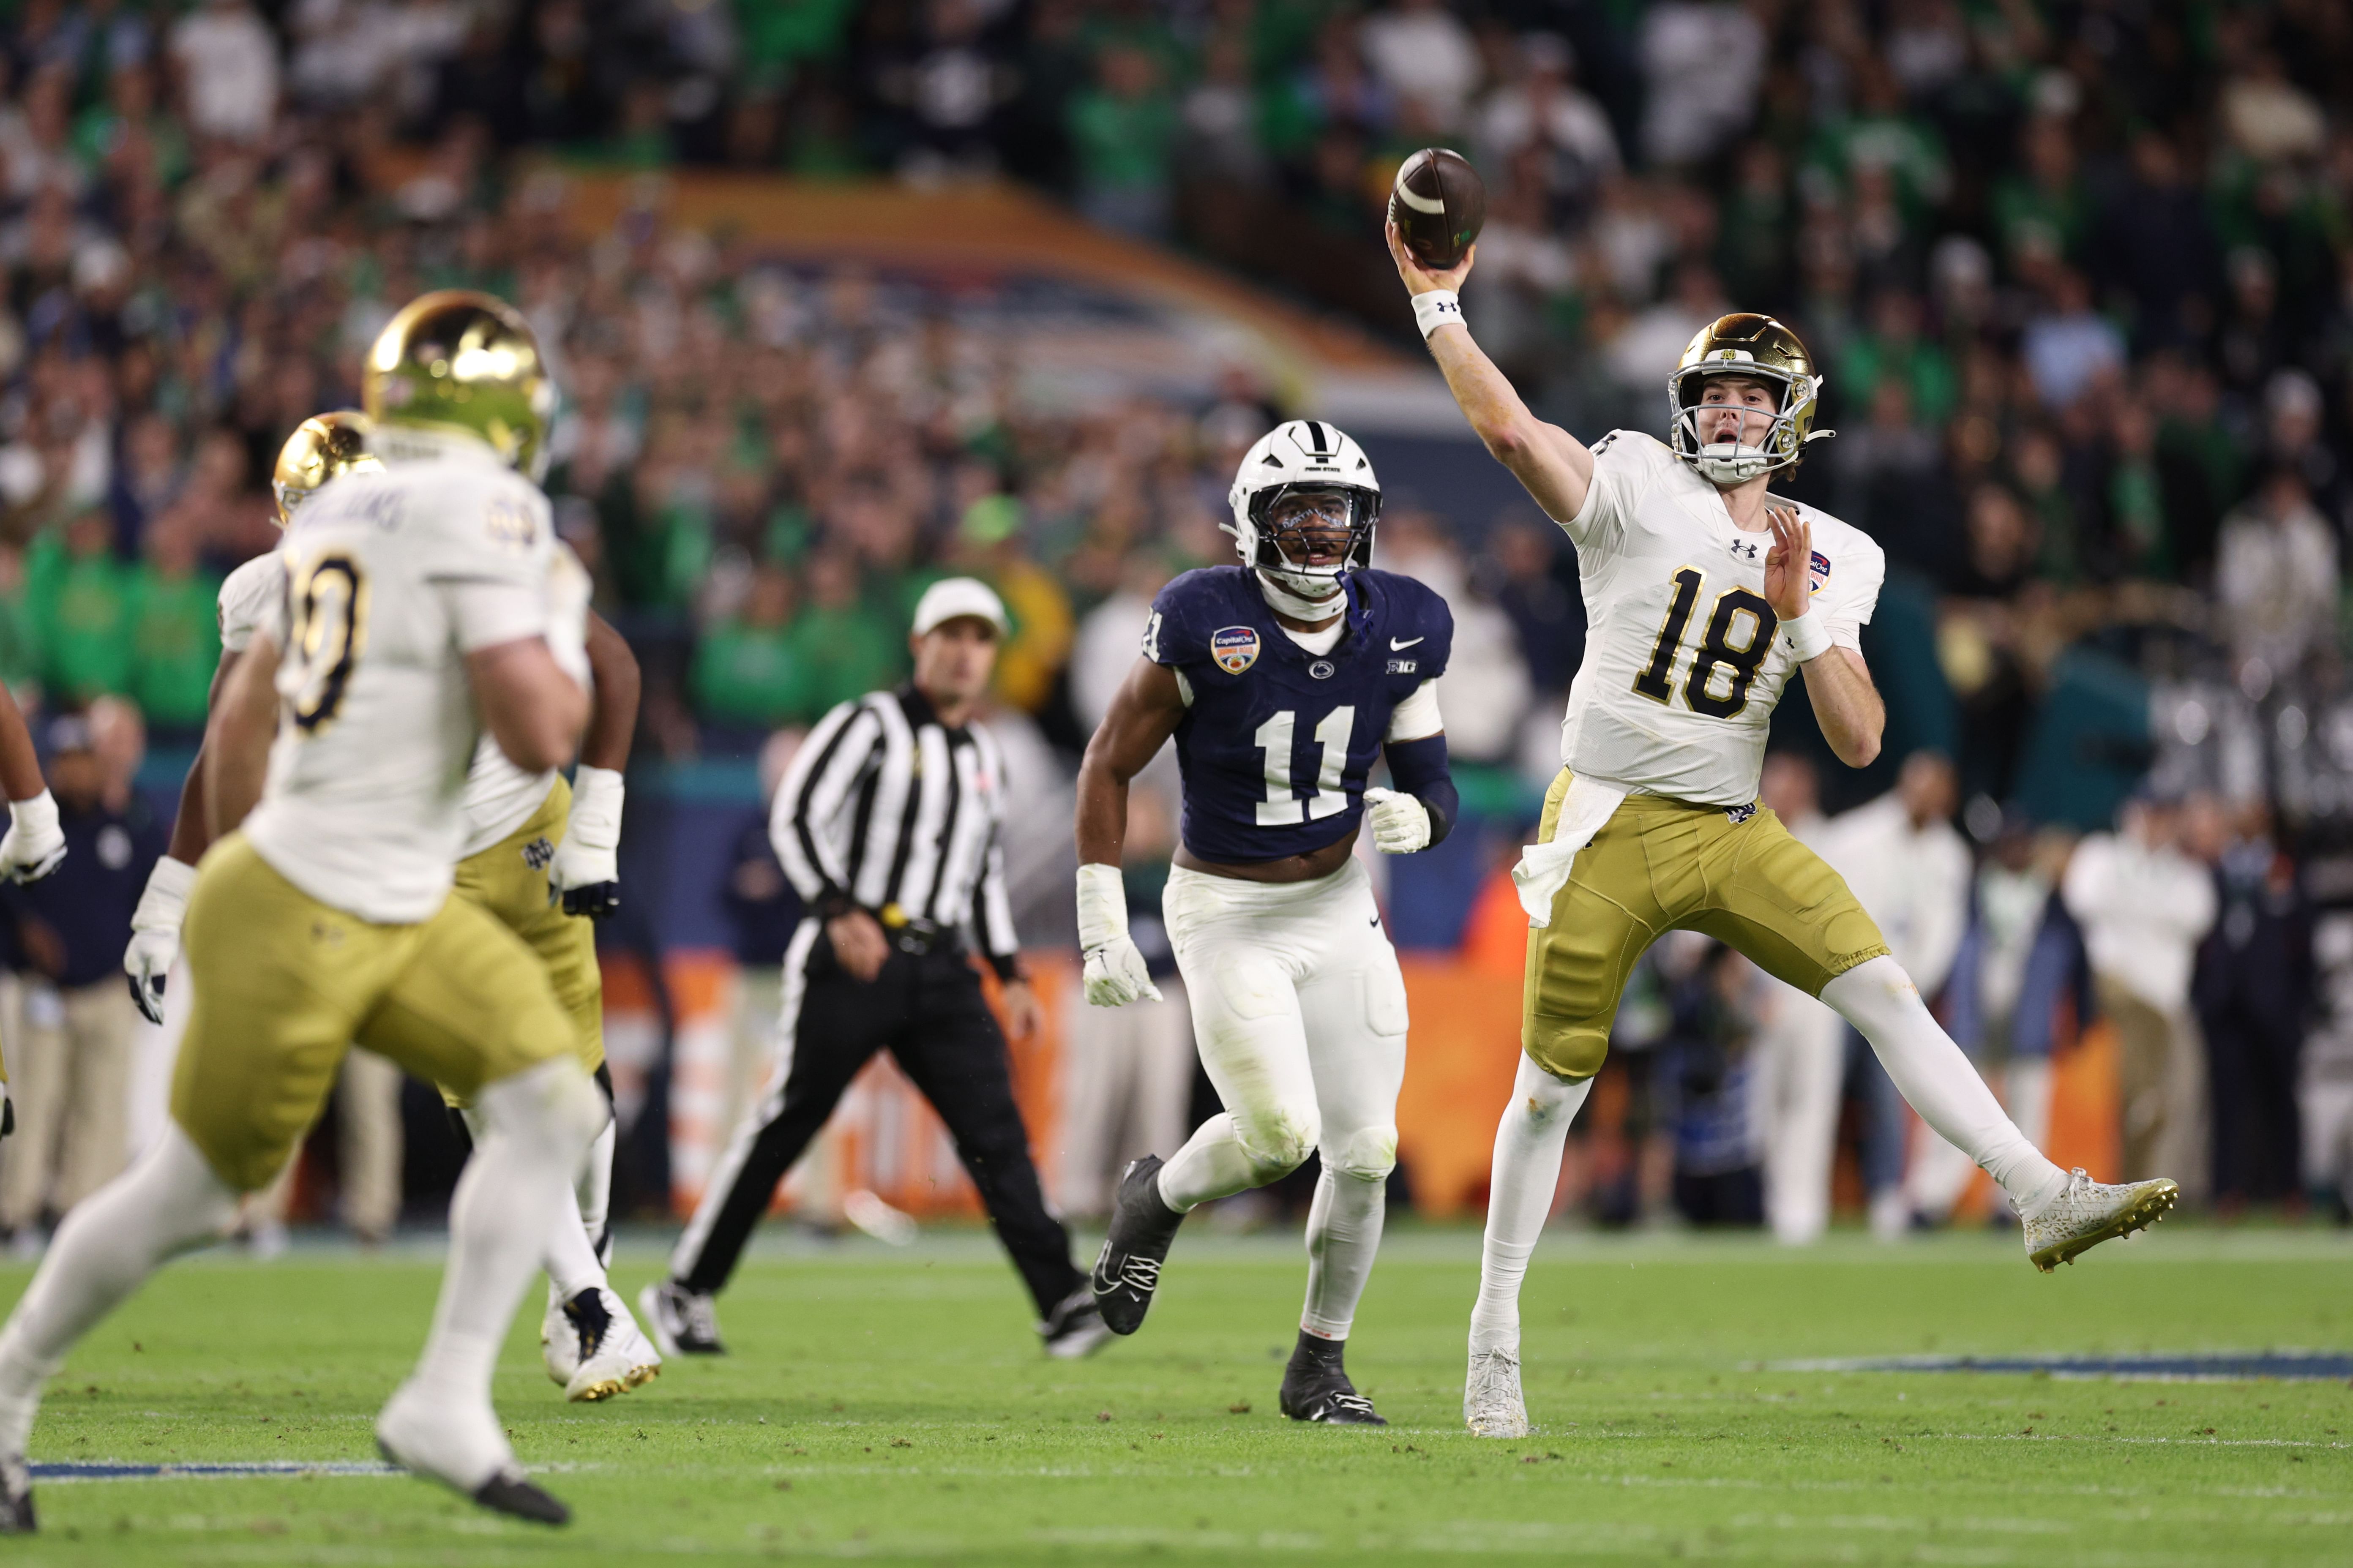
[(1465, 1047)]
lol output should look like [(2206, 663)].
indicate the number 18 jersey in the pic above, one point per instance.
[(391, 579), (1682, 663)]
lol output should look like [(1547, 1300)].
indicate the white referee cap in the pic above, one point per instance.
[(952, 596)]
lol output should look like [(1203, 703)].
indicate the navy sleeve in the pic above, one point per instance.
[(1420, 769), (1435, 621), (1172, 633)]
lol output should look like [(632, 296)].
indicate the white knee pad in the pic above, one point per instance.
[(1369, 1155), (1279, 1140)]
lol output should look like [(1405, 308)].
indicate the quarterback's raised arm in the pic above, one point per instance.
[(1555, 466)]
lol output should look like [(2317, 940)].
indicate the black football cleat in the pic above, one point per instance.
[(510, 1491), (682, 1322), (1143, 1228), (1316, 1386), (1075, 1328), (16, 1497)]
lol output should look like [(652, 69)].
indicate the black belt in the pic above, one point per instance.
[(910, 934)]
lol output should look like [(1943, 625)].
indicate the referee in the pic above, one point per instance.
[(888, 822)]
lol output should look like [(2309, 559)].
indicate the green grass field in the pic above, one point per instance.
[(894, 1406)]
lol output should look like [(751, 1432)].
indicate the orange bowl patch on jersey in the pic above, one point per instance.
[(1234, 647)]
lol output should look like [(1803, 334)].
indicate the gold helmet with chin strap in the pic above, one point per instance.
[(461, 361), (321, 446), (1760, 348)]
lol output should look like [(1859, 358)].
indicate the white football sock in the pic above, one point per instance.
[(2026, 1085), (1212, 1165), (572, 1262), (167, 1203), (594, 1193), (1931, 1073), (1344, 1234), (1520, 1187), (531, 1132)]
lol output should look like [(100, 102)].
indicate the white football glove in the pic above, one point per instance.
[(1400, 822), (155, 934), (586, 873), (1116, 972), (35, 843)]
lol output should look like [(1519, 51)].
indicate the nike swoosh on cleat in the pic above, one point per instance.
[(1394, 645)]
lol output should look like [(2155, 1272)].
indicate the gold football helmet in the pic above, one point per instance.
[(321, 446), (460, 359), (1760, 348)]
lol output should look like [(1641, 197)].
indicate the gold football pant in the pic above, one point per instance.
[(286, 984), (509, 880), (1661, 865)]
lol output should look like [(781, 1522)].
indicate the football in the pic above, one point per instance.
[(1438, 204)]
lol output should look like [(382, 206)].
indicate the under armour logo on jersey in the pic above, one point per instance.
[(539, 854), (1745, 550)]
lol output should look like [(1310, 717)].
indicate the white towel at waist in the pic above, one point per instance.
[(1542, 871)]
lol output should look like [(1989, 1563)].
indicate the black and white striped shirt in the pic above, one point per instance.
[(888, 810)]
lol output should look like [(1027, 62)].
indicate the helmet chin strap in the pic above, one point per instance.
[(1287, 600)]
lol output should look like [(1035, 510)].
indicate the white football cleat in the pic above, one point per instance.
[(2087, 1213), (463, 1448), (559, 1346), (594, 1344), (1492, 1406)]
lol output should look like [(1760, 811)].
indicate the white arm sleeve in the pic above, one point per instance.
[(1416, 718)]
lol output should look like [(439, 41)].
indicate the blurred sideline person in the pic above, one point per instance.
[(1707, 596), (2020, 957), (1800, 1047), (422, 606), (539, 855), (1282, 680), (1128, 1081), (889, 823), (72, 1062), (2145, 906), (1907, 866), (2253, 992), (33, 847)]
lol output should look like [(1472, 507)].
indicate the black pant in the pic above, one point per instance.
[(926, 1010)]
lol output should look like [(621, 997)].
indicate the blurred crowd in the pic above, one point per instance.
[(2080, 276)]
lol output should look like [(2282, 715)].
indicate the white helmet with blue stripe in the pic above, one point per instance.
[(1305, 478)]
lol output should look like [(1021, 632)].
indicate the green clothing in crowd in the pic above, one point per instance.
[(1123, 144), (81, 619), (175, 646), (745, 675), (841, 655)]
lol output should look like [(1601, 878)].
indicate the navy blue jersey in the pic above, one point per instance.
[(1276, 741)]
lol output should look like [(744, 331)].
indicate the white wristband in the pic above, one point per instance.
[(165, 900), (1102, 906), (1435, 308), (38, 814), (1810, 636), (597, 797)]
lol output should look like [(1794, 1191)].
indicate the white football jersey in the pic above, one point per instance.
[(391, 578), (1682, 665), (500, 796)]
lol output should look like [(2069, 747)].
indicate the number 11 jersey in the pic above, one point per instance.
[(1276, 741), (1682, 663), (390, 580)]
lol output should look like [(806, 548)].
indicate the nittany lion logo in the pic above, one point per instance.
[(1234, 647), (539, 854)]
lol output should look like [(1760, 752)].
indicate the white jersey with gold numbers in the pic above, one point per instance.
[(500, 796), (390, 579), (1683, 665)]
